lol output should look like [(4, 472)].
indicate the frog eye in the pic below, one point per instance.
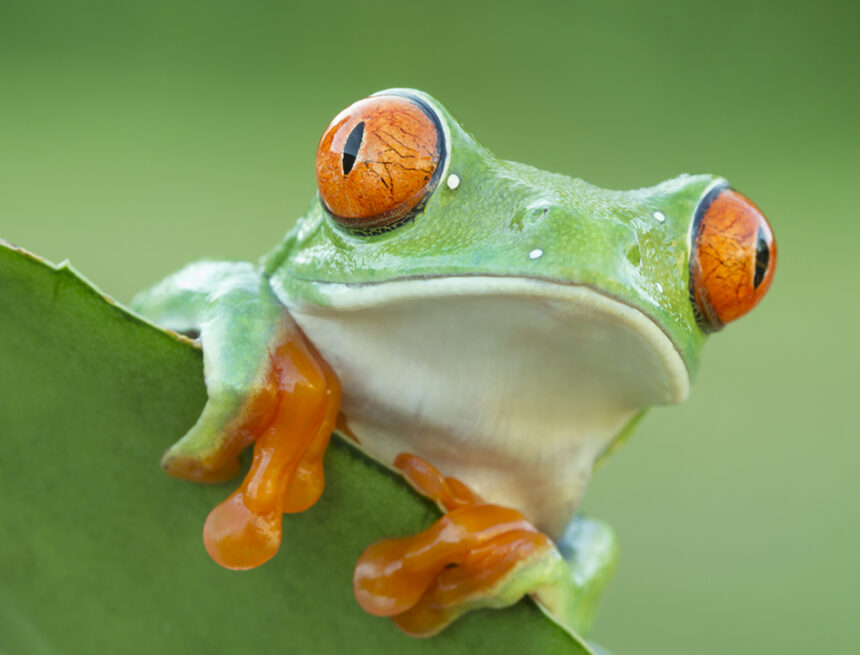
[(378, 161), (733, 257)]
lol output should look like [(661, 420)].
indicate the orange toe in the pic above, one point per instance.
[(425, 581), (287, 472)]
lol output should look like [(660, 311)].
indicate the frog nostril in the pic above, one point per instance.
[(529, 215), (538, 209)]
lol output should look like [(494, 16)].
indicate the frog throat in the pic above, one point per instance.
[(569, 301)]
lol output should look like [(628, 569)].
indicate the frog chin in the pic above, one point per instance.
[(514, 385)]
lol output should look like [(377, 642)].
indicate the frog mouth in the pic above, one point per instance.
[(614, 349)]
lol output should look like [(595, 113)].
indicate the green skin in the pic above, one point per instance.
[(628, 246)]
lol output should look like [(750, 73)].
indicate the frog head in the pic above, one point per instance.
[(407, 194), (472, 300)]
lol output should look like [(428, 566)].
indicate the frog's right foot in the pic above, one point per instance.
[(266, 385), (209, 452), (286, 475)]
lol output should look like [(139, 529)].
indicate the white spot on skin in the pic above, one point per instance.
[(536, 253), (453, 181), (659, 288), (660, 216)]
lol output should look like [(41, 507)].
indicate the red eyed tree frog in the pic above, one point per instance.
[(488, 328)]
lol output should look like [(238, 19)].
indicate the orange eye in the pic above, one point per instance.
[(378, 160), (733, 257)]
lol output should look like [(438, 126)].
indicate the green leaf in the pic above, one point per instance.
[(101, 552)]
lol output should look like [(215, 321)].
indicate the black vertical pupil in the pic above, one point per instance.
[(350, 148), (762, 259)]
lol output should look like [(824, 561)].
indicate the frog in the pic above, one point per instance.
[(489, 330)]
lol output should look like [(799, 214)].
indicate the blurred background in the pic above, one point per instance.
[(138, 136)]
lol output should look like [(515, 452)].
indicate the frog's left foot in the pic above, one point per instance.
[(477, 555), (481, 555), (266, 384)]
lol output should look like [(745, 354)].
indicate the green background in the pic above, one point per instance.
[(135, 137)]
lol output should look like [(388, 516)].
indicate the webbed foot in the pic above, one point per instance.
[(480, 555), (476, 555), (266, 385), (286, 475)]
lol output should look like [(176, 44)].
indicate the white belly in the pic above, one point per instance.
[(513, 385)]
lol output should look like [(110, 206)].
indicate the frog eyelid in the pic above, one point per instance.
[(435, 112), (705, 201)]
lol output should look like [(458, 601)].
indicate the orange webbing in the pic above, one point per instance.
[(286, 474), (427, 580)]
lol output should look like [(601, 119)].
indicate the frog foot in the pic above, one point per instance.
[(293, 418), (266, 384), (477, 555)]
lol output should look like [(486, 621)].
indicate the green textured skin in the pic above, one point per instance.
[(496, 217), (238, 318), (609, 241)]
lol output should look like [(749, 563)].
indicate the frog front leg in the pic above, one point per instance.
[(266, 384), (481, 555)]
